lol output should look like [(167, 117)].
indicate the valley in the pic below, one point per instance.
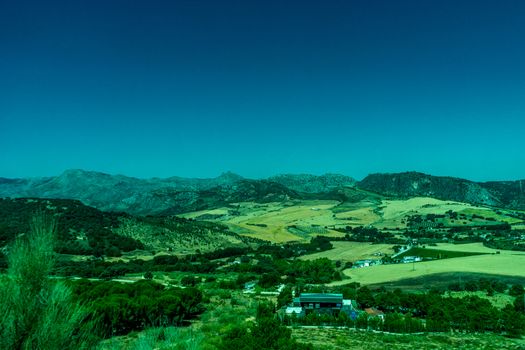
[(234, 246)]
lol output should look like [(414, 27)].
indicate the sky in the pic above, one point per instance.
[(195, 88)]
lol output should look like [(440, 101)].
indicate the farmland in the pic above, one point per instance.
[(497, 264), (300, 220), (276, 222)]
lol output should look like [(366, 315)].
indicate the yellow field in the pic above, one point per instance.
[(497, 264), (391, 213), (352, 251), (271, 221), (274, 221)]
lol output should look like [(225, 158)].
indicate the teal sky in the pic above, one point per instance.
[(195, 88)]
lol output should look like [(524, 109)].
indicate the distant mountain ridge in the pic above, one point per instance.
[(311, 183), (508, 194), (176, 195), (146, 196)]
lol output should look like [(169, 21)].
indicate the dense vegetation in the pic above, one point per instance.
[(266, 263), (120, 308), (406, 311), (81, 229), (36, 312)]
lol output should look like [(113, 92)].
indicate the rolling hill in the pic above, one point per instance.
[(176, 195), (83, 230)]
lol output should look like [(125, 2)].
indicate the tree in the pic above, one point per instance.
[(513, 323), (148, 275), (516, 289), (285, 297), (35, 312)]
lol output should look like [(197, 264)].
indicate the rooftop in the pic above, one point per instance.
[(321, 297)]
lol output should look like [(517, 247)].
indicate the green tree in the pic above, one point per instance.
[(516, 289), (148, 275), (513, 323), (285, 297)]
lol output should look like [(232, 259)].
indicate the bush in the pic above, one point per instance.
[(35, 312)]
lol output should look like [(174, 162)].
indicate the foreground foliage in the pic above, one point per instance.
[(35, 312)]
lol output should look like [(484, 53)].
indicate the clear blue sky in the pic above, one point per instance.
[(195, 88)]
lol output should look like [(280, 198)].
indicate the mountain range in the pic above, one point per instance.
[(176, 194)]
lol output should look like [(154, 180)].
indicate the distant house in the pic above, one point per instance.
[(366, 263), (373, 312), (249, 287), (294, 310), (409, 259), (322, 303), (350, 308)]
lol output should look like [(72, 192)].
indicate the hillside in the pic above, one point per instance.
[(83, 230), (507, 194), (176, 195)]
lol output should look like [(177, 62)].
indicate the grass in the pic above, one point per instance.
[(351, 251), (497, 264), (339, 339)]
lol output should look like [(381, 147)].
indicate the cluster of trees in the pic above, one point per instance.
[(442, 313), (405, 312), (394, 322), (120, 308), (488, 285), (308, 271), (267, 333), (506, 240), (285, 251), (368, 234), (96, 268), (268, 267)]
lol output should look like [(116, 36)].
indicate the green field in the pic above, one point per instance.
[(498, 264), (352, 251)]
